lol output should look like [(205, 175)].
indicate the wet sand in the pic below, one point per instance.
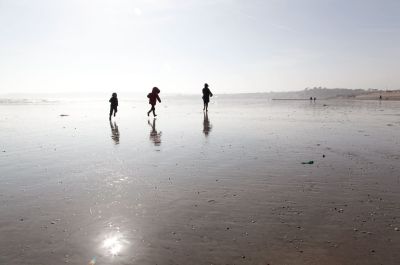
[(229, 188)]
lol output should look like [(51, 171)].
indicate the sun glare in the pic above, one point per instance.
[(113, 244)]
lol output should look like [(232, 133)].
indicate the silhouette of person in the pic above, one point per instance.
[(310, 98), (206, 96), (153, 97), (114, 132), (155, 136), (380, 97), (206, 125), (114, 104), (315, 99)]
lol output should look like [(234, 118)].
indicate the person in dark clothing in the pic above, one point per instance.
[(153, 97), (206, 96), (114, 104)]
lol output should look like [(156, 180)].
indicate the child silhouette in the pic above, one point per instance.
[(114, 104), (206, 96), (153, 97)]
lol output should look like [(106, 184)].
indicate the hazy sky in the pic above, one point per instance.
[(234, 45)]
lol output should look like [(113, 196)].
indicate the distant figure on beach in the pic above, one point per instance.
[(153, 97), (380, 97), (206, 96), (114, 132), (114, 104), (315, 99), (310, 98), (206, 124), (155, 136)]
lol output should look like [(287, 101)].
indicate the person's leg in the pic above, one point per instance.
[(148, 113), (206, 106), (154, 110), (111, 111), (115, 111)]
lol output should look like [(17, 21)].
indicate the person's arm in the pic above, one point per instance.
[(158, 98), (116, 101), (110, 100), (211, 94)]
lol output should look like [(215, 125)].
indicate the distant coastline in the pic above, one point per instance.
[(329, 93), (386, 95)]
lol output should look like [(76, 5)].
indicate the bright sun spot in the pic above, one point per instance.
[(113, 244)]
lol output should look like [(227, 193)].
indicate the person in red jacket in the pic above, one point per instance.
[(153, 97)]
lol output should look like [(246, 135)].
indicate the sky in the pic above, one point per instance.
[(236, 46)]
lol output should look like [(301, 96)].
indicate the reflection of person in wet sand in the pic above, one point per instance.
[(114, 132), (155, 136), (206, 125)]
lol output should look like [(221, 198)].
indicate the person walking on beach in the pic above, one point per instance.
[(206, 96), (153, 97), (114, 104)]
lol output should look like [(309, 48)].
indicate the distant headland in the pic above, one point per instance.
[(329, 93)]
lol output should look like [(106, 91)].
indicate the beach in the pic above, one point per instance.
[(254, 181)]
